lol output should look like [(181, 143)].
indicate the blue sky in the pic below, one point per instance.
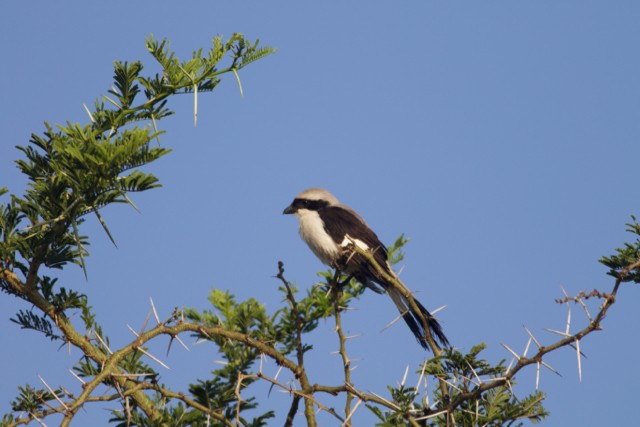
[(500, 137)]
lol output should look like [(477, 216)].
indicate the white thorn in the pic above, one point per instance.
[(511, 351), (158, 361), (404, 378), (155, 313), (579, 361)]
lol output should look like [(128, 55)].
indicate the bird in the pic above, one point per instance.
[(331, 229)]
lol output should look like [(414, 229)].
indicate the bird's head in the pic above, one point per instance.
[(312, 199)]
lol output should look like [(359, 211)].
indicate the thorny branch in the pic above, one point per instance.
[(583, 296), (308, 405), (131, 385), (336, 295), (296, 313), (569, 340)]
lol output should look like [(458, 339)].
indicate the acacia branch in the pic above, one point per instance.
[(336, 293), (304, 382), (307, 396), (210, 331), (135, 388), (61, 409), (109, 364), (45, 203), (543, 350), (296, 313)]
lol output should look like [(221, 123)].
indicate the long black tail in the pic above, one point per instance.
[(415, 315), (416, 319)]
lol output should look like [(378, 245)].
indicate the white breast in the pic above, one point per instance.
[(313, 233)]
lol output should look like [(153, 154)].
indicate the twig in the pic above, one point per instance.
[(336, 294), (300, 370), (307, 397)]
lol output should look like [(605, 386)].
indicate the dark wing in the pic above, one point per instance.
[(338, 222)]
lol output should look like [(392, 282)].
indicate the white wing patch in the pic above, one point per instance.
[(348, 240)]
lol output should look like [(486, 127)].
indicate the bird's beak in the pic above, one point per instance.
[(289, 210)]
